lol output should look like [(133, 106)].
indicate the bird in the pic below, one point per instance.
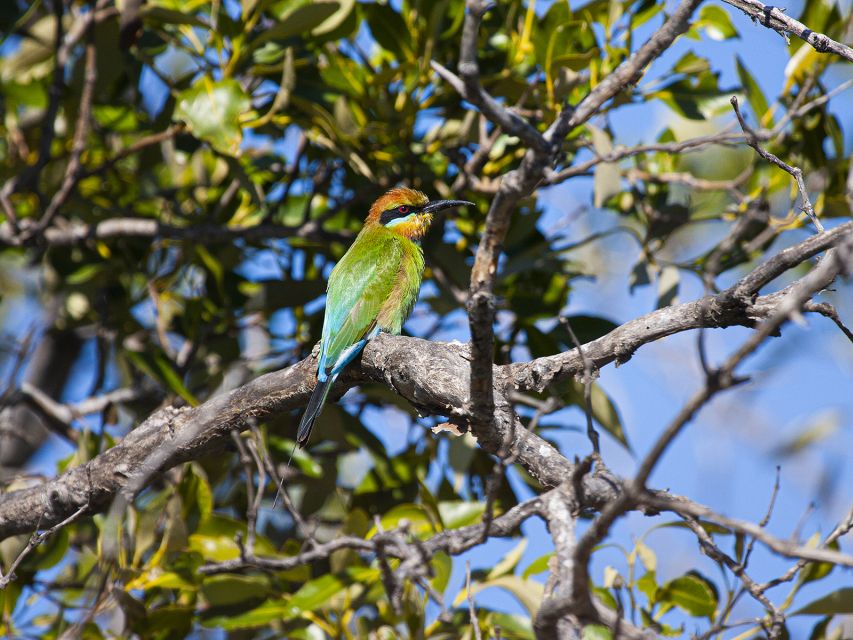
[(373, 287)]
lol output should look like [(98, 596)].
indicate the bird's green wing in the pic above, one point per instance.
[(358, 287)]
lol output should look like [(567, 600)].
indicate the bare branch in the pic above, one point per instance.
[(450, 541), (774, 18), (146, 228), (472, 612), (738, 569), (81, 130), (471, 89), (787, 548), (432, 376), (827, 310), (736, 305)]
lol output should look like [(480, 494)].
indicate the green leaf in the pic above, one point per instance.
[(195, 492), (458, 513), (173, 380), (442, 568), (596, 632), (509, 562), (225, 589), (512, 627), (269, 611), (692, 593), (538, 566), (668, 282), (151, 13), (818, 428), (696, 96), (527, 592), (84, 273), (607, 178), (215, 548), (389, 30), (415, 514), (837, 602), (717, 23), (691, 63), (344, 10), (302, 20), (817, 570), (177, 619), (604, 411), (819, 630), (313, 595), (640, 276), (753, 92), (212, 111), (648, 586)]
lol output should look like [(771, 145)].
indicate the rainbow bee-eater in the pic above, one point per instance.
[(373, 287)]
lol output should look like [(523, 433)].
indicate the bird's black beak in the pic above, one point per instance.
[(439, 205)]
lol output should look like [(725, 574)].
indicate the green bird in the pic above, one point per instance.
[(373, 288)]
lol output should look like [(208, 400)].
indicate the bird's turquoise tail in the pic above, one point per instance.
[(315, 406)]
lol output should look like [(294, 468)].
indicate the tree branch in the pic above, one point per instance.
[(773, 18), (518, 184), (67, 235), (432, 376)]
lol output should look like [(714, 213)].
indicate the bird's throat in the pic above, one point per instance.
[(414, 227)]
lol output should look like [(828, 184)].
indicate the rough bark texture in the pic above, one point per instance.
[(433, 376)]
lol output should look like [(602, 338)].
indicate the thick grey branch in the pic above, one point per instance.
[(432, 376), (737, 305)]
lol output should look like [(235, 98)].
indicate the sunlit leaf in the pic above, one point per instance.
[(716, 22), (692, 593), (212, 109)]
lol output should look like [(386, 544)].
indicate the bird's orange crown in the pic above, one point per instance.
[(398, 200), (396, 197)]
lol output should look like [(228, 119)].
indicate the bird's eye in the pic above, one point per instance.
[(404, 209)]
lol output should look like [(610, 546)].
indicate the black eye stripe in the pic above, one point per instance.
[(395, 213)]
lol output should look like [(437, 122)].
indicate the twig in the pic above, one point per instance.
[(785, 548), (635, 492), (450, 541), (133, 149), (520, 182), (699, 184), (721, 310), (738, 569), (795, 172), (81, 130), (472, 90), (827, 310), (588, 376), (841, 529), (146, 228), (472, 612), (763, 523), (37, 538)]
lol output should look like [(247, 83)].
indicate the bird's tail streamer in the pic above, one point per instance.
[(312, 412)]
